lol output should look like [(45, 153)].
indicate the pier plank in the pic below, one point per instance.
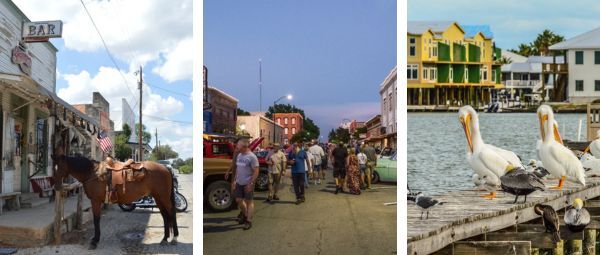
[(465, 214), (491, 248)]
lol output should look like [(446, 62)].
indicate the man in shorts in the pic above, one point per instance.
[(339, 154), (277, 163), (371, 163), (245, 175), (362, 166), (319, 154)]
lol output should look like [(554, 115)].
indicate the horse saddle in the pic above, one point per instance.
[(118, 173)]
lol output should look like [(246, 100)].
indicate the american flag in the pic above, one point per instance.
[(104, 141)]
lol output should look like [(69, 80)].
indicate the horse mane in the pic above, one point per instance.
[(80, 163)]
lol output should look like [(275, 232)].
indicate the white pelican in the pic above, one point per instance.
[(488, 162), (591, 165), (557, 159), (594, 146)]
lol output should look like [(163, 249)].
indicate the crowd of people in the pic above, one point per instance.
[(352, 167)]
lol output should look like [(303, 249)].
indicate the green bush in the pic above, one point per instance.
[(186, 169)]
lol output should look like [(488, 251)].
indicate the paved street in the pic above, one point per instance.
[(137, 232), (324, 224)]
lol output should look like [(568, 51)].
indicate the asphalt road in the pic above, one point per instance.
[(137, 232), (324, 224)]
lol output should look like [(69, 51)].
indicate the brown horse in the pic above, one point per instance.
[(158, 182)]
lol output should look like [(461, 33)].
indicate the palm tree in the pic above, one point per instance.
[(504, 60), (525, 50), (545, 40)]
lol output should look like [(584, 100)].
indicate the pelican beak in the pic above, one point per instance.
[(542, 119), (466, 123), (557, 134)]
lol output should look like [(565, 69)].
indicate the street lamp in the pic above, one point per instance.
[(289, 97)]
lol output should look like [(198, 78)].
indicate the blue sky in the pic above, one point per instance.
[(129, 30), (513, 21), (331, 55)]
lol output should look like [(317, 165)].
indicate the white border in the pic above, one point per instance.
[(401, 228), (197, 184)]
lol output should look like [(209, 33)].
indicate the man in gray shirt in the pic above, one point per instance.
[(245, 175)]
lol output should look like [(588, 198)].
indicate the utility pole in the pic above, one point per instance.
[(141, 144), (260, 85)]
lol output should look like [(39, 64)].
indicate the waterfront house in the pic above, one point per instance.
[(451, 64), (524, 79), (581, 70)]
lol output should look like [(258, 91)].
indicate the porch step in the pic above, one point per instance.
[(31, 200)]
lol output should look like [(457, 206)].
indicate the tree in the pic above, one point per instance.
[(146, 136), (122, 150), (163, 152), (308, 124), (241, 112), (339, 135), (540, 46), (504, 60), (301, 136)]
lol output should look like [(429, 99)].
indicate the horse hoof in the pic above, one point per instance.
[(173, 242), (164, 242), (92, 246)]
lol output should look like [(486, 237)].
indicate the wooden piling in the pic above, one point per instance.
[(558, 250), (535, 251), (573, 247), (589, 242)]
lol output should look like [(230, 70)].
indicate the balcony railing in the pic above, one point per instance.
[(521, 83), (555, 68)]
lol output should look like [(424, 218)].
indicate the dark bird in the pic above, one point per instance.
[(550, 220), (425, 203), (577, 218), (520, 183), (536, 168), (412, 194)]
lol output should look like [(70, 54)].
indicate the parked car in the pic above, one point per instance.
[(262, 181), (385, 169), (217, 191), (387, 152)]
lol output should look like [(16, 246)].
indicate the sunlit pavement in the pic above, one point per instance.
[(325, 224)]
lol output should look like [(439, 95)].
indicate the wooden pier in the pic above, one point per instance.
[(466, 222)]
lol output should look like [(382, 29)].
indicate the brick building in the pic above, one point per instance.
[(222, 115), (291, 123)]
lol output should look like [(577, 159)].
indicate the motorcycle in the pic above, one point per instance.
[(148, 201)]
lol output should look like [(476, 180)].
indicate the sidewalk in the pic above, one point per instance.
[(324, 224), (33, 227)]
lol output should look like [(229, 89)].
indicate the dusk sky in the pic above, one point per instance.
[(513, 21), (330, 55)]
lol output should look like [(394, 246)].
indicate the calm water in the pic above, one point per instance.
[(437, 146)]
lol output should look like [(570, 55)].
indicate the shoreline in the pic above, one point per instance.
[(557, 107)]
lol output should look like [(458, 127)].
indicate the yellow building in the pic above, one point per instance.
[(451, 64)]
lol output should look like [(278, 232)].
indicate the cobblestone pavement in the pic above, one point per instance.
[(324, 224), (137, 232)]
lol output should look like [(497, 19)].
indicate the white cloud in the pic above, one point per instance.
[(109, 83), (137, 32)]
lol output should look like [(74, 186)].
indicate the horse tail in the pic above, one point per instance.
[(174, 219)]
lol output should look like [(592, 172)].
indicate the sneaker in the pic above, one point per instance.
[(337, 189), (248, 225), (303, 200), (298, 201), (275, 197), (269, 199), (241, 218)]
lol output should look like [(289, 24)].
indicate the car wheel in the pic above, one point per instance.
[(375, 178), (262, 181), (181, 203), (219, 197)]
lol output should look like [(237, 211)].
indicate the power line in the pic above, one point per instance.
[(108, 52), (167, 90), (175, 121)]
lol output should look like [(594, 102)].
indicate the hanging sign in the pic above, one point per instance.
[(21, 58), (41, 31)]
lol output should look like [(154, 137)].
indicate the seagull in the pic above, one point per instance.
[(550, 220), (485, 159), (521, 183), (425, 203), (594, 146), (482, 183), (557, 159), (577, 218), (537, 168)]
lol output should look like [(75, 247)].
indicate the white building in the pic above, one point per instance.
[(27, 101), (523, 77), (583, 65), (388, 93), (260, 126)]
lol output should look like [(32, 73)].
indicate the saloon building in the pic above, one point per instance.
[(31, 112)]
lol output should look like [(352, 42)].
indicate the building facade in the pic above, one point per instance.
[(260, 126), (98, 110), (373, 136), (388, 93), (292, 123), (451, 64), (581, 68), (524, 79), (223, 112), (27, 101)]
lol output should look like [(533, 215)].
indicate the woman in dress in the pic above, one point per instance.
[(353, 173)]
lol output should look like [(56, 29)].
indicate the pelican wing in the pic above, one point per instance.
[(509, 156), (520, 179), (595, 148), (493, 162), (566, 159)]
